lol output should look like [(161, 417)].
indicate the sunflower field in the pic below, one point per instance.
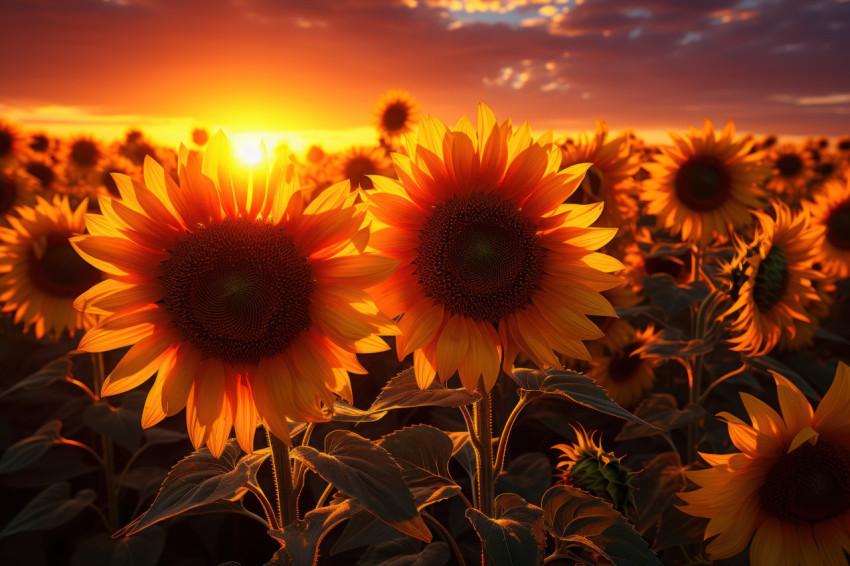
[(449, 345)]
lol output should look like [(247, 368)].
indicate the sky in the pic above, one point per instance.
[(312, 70)]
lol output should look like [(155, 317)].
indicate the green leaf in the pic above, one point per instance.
[(123, 423), (403, 392), (672, 297), (405, 552), (200, 479), (528, 475), (573, 386), (572, 515), (49, 509), (516, 536), (21, 454), (57, 370), (366, 472), (301, 538), (142, 549), (660, 409)]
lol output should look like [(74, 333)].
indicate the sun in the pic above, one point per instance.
[(249, 152)]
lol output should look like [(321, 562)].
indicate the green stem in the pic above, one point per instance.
[(108, 460), (282, 479), (506, 433)]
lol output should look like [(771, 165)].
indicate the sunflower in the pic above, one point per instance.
[(40, 274), (396, 114), (831, 212), (43, 171), (16, 189), (200, 136), (609, 178), (788, 489), (39, 143), (792, 167), (82, 157), (248, 305), (620, 364), (10, 144), (357, 163), (705, 185), (492, 263), (777, 280)]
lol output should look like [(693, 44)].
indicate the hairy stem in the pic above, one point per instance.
[(286, 512), (484, 459), (506, 433)]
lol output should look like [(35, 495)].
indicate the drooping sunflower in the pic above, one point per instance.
[(247, 304), (831, 213), (358, 162), (776, 270), (705, 185), (788, 489), (792, 169), (492, 263), (396, 114), (40, 273), (620, 364)]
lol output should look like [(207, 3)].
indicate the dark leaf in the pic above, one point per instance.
[(159, 435), (681, 349), (344, 412), (528, 475), (463, 452), (403, 392), (142, 549), (516, 536), (827, 335), (57, 370), (569, 511), (366, 472), (123, 423), (660, 410), (200, 479), (301, 538), (676, 527), (405, 552), (767, 363), (49, 509), (670, 296), (573, 386), (656, 487), (21, 454)]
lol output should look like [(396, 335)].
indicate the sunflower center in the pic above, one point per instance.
[(844, 144), (789, 165), (624, 364), (838, 226), (394, 117), (703, 183), (8, 193), (42, 172), (479, 257), (58, 270), (809, 485), (771, 279), (356, 170), (239, 291), (84, 153), (6, 142)]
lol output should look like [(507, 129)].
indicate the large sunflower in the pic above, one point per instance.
[(492, 263), (777, 280), (396, 113), (40, 273), (831, 212), (788, 489), (620, 364), (705, 185), (248, 305)]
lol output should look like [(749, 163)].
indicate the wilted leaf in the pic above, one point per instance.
[(366, 472), (142, 549), (21, 454), (672, 297), (199, 479), (123, 424), (57, 370), (569, 511), (49, 509), (528, 475), (402, 392), (573, 386), (405, 552), (516, 536), (301, 538), (660, 410)]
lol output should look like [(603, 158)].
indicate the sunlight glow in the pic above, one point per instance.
[(249, 152)]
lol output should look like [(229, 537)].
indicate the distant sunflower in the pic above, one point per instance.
[(831, 212), (39, 143), (843, 145), (10, 144), (619, 364), (705, 185), (777, 280), (43, 171), (16, 189), (40, 273), (786, 494), (358, 162), (247, 304), (82, 157), (492, 263), (396, 113), (792, 169), (200, 136)]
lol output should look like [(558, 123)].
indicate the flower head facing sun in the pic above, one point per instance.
[(831, 212), (788, 489), (249, 305), (492, 263), (396, 113), (40, 273), (359, 162), (705, 185)]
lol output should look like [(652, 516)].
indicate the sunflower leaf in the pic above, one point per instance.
[(23, 453), (405, 552), (366, 472), (528, 475), (57, 370), (123, 423), (574, 516), (516, 536), (300, 539), (200, 479), (51, 508), (661, 410), (765, 363), (573, 386), (142, 549), (402, 392), (672, 297)]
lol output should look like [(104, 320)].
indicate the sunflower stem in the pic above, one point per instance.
[(286, 512), (695, 374), (506, 433), (484, 459), (108, 447)]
